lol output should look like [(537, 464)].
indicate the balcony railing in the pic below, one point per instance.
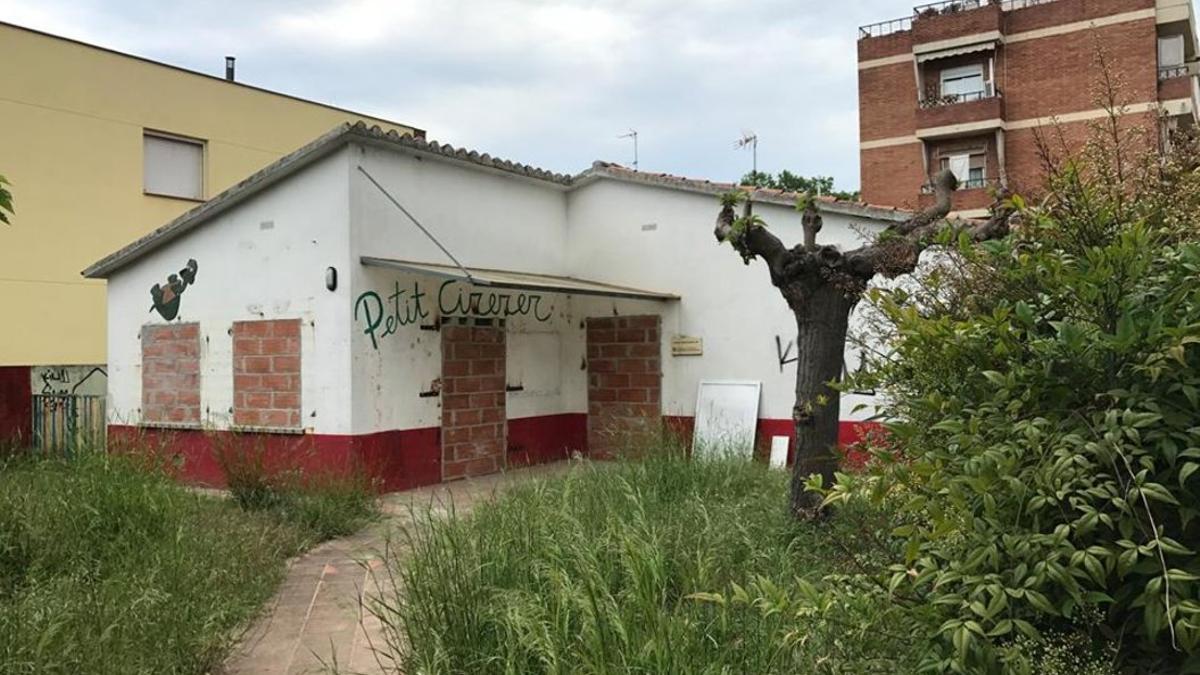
[(968, 184), (884, 28), (938, 8), (1010, 5), (1168, 72), (952, 6), (937, 101), (948, 7)]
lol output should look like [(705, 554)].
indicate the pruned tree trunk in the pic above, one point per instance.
[(821, 322), (821, 285)]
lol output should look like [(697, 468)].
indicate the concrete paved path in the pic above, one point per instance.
[(316, 619)]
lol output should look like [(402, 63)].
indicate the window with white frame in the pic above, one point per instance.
[(963, 81), (172, 166), (968, 167)]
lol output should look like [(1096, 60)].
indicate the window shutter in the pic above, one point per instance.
[(1170, 51), (173, 167)]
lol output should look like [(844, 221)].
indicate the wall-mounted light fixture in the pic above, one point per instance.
[(331, 278)]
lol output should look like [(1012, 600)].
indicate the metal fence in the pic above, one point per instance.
[(67, 423), (885, 27), (937, 9), (947, 7), (1168, 72)]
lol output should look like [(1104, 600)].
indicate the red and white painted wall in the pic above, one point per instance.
[(419, 378)]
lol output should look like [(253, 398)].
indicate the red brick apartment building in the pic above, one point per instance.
[(966, 84)]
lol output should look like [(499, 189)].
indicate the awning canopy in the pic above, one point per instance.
[(986, 46), (547, 283)]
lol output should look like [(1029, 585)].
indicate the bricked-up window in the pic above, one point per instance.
[(624, 367), (266, 373), (171, 374), (474, 432)]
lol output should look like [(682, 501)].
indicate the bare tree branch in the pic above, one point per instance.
[(821, 285), (811, 221), (944, 185), (751, 238)]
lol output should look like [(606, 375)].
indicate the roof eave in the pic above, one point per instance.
[(319, 148), (261, 180), (854, 209)]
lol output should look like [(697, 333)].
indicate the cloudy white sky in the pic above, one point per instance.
[(546, 83)]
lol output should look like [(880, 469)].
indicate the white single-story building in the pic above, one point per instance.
[(431, 313)]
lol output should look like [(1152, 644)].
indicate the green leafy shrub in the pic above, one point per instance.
[(1045, 392)]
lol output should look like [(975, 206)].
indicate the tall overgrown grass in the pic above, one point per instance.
[(330, 503), (108, 566), (615, 568)]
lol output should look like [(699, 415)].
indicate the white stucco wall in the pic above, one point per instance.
[(264, 259), (486, 219), (661, 239)]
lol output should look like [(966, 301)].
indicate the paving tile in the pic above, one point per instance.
[(317, 612)]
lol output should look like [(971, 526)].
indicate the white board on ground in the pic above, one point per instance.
[(726, 416), (779, 448)]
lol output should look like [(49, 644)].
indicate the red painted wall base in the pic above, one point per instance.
[(398, 459), (16, 405), (548, 438), (849, 433)]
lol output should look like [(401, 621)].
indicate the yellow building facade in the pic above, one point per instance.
[(102, 147)]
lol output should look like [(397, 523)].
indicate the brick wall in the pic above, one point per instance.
[(1025, 167), (474, 429), (883, 46), (171, 373), (887, 101), (1042, 77), (266, 373), (964, 200), (985, 109), (1057, 75), (949, 25), (1067, 11), (624, 362), (893, 175), (1175, 88)]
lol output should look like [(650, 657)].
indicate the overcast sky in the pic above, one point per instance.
[(546, 83)]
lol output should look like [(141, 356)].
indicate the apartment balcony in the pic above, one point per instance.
[(941, 21), (980, 110), (958, 17), (971, 195), (1177, 82)]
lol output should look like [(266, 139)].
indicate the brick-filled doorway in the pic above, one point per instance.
[(624, 364), (474, 427), (171, 373)]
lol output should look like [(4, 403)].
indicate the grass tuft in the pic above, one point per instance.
[(328, 503), (605, 570), (107, 568)]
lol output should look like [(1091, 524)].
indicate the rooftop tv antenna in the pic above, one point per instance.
[(632, 134), (749, 139)]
